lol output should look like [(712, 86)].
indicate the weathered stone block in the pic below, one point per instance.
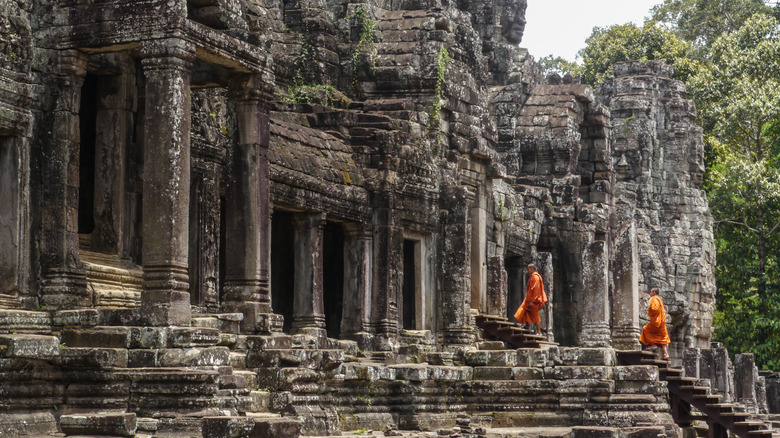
[(188, 357), (116, 424), (192, 336), (411, 372), (277, 428), (105, 337), (227, 427), (493, 373), (522, 373), (597, 356), (638, 372), (142, 358), (595, 432), (30, 346), (147, 337), (94, 357), (532, 357), (506, 358), (82, 317), (579, 372)]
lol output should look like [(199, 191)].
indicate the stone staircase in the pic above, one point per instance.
[(691, 401), (501, 329), (101, 373)]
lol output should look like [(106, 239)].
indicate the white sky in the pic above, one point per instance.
[(560, 27)]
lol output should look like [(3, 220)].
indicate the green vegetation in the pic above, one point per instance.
[(366, 41), (443, 60), (728, 54)]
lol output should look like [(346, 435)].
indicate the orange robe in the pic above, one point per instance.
[(534, 299), (654, 332)]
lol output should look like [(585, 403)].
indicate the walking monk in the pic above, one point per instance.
[(535, 298), (654, 332)]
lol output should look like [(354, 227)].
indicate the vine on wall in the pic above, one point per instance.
[(366, 42)]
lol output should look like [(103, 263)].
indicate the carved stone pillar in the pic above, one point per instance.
[(625, 299), (64, 280), (357, 282), (308, 307), (248, 230), (386, 284), (544, 265), (478, 250), (595, 306), (455, 268), (166, 186)]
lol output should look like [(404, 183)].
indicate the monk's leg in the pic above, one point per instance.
[(666, 353)]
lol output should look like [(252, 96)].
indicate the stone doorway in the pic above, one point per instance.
[(283, 266), (414, 311), (333, 277), (516, 275), (107, 211)]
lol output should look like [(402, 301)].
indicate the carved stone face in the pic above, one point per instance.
[(513, 21)]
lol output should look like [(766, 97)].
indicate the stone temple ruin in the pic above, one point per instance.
[(188, 249)]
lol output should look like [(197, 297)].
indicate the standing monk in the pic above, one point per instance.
[(654, 332), (535, 298)]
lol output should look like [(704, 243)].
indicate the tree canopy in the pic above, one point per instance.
[(629, 42)]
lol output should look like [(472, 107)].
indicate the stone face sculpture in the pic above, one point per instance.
[(268, 187), (513, 23)]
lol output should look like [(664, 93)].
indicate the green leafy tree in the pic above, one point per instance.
[(629, 42), (557, 64), (701, 22), (738, 97)]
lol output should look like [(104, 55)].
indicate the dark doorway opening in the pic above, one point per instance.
[(88, 136), (283, 266), (515, 270), (333, 277), (408, 317)]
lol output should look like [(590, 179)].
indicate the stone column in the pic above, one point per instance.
[(544, 265), (595, 306), (248, 227), (357, 282), (478, 250), (114, 130), (308, 307), (166, 187), (64, 280), (745, 379), (625, 298), (455, 271), (386, 279)]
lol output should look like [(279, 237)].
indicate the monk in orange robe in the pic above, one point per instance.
[(535, 298), (654, 332)]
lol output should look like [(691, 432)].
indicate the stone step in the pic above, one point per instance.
[(111, 424)]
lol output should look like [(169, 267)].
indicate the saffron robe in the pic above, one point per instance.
[(534, 299), (654, 332)]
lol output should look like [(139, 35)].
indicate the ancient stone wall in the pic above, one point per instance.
[(658, 155), (244, 209)]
